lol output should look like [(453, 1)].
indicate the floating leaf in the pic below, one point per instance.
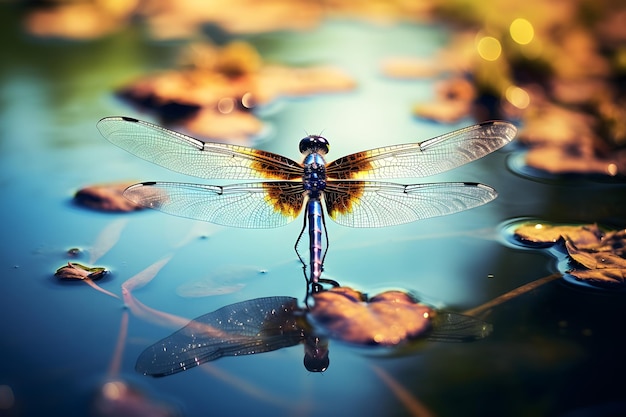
[(387, 319), (106, 197), (593, 259), (547, 233), (599, 255), (213, 94), (76, 271), (608, 278)]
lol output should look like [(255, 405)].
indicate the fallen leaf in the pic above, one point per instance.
[(599, 255), (547, 233), (388, 319), (593, 259), (212, 94), (605, 278), (76, 271), (106, 197)]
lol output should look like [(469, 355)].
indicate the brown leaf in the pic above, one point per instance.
[(105, 197), (608, 278), (212, 95), (388, 319), (547, 233), (76, 271), (599, 254), (595, 260)]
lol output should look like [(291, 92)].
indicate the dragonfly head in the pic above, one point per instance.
[(314, 143)]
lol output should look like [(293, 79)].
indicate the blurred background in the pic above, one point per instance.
[(266, 74)]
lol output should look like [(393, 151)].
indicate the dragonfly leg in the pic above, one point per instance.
[(327, 241), (330, 282), (300, 237)]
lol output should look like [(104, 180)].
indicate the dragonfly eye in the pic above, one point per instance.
[(314, 143)]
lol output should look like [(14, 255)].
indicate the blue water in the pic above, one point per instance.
[(58, 338)]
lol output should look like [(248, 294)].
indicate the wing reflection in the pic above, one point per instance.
[(249, 327)]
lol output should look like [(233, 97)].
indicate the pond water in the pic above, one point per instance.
[(554, 351)]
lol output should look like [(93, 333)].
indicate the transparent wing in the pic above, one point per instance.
[(190, 156), (248, 327), (454, 327), (252, 205), (430, 157), (378, 204)]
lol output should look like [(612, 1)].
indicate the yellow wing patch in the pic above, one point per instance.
[(342, 197), (285, 198), (349, 167), (273, 166)]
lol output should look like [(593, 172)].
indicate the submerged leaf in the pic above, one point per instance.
[(73, 271)]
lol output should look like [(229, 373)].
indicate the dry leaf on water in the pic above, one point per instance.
[(106, 197), (599, 255), (76, 271), (214, 91), (387, 319)]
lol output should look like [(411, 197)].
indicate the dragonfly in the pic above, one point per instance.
[(348, 189)]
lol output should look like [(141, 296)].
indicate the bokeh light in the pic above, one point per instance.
[(517, 96), (489, 48), (522, 31)]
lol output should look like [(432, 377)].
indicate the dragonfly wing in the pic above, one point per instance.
[(430, 157), (252, 205), (190, 156), (378, 204), (252, 326)]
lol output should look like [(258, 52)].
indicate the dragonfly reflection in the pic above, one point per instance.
[(249, 327), (270, 323), (342, 186)]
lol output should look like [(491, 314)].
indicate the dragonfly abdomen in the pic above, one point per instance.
[(314, 213)]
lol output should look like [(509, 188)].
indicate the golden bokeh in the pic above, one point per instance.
[(517, 96), (488, 48), (522, 31)]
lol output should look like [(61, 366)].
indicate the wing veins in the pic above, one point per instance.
[(432, 156), (182, 153)]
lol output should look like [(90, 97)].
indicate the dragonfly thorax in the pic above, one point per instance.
[(314, 144), (314, 177)]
